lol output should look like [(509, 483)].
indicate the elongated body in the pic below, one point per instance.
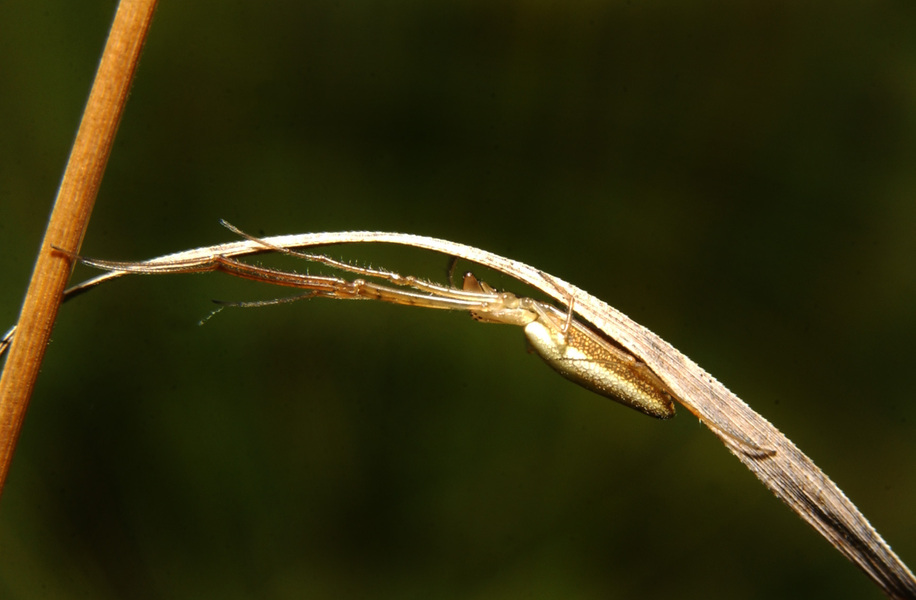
[(582, 357), (577, 353)]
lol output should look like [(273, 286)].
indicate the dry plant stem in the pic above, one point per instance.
[(70, 216), (783, 468)]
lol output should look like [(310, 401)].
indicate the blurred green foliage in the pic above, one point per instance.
[(739, 178)]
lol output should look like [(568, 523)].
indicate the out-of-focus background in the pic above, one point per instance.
[(740, 179)]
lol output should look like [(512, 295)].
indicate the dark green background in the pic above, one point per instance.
[(739, 179)]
